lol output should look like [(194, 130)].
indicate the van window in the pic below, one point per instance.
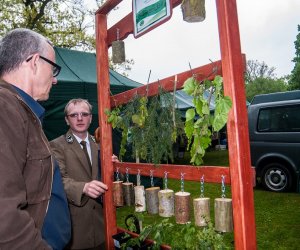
[(279, 119)]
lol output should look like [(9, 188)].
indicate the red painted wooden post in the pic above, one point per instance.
[(103, 89), (237, 126)]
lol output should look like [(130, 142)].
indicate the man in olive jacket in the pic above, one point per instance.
[(79, 165)]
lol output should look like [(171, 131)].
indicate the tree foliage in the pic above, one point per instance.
[(261, 79), (265, 86), (256, 69), (67, 23), (294, 81)]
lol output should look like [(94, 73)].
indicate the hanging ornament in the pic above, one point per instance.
[(201, 207), (223, 212), (139, 194), (193, 10), (118, 50), (128, 190), (182, 204), (166, 200), (152, 197), (118, 191)]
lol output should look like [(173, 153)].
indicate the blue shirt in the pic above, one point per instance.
[(57, 224)]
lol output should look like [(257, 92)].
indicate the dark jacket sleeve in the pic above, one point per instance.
[(57, 225)]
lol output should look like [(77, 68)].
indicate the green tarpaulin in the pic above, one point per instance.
[(77, 80)]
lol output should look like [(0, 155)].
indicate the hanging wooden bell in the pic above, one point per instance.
[(128, 193), (223, 215), (118, 194), (166, 202), (118, 51), (182, 207), (152, 200), (193, 10), (201, 211), (201, 207), (139, 195), (140, 201)]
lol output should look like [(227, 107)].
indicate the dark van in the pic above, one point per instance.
[(274, 130)]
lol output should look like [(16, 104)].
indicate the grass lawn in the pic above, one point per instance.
[(277, 214)]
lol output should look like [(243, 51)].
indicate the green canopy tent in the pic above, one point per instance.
[(77, 80)]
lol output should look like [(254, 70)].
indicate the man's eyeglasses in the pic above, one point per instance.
[(82, 114), (56, 68)]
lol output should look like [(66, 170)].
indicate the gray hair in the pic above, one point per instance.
[(17, 45), (75, 101)]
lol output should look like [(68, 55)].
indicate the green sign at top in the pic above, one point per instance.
[(148, 14)]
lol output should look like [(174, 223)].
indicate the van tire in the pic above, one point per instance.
[(276, 177)]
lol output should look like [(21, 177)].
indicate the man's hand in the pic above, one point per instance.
[(114, 158), (94, 189)]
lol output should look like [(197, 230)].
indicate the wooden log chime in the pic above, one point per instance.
[(128, 190), (223, 212), (201, 207), (193, 10), (182, 204), (167, 204), (152, 197), (166, 200), (118, 50), (118, 198), (139, 194)]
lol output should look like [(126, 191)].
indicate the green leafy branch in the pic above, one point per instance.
[(200, 122)]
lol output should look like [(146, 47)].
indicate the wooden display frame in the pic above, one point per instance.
[(240, 175)]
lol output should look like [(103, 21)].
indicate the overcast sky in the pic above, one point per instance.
[(268, 29)]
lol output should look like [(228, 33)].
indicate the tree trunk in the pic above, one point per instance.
[(118, 194), (166, 202), (182, 207), (152, 200), (140, 202), (223, 215), (202, 211)]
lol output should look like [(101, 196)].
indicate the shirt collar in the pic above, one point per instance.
[(79, 139), (37, 109)]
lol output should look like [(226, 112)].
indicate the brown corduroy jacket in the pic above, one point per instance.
[(26, 172)]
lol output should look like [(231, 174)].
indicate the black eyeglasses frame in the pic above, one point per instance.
[(56, 68), (82, 114)]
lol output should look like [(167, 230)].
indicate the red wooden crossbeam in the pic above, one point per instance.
[(208, 71), (211, 174)]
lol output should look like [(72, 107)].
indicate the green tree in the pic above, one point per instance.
[(294, 82), (256, 69), (261, 79), (265, 86), (67, 23)]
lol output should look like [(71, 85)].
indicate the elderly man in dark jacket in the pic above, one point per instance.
[(27, 72)]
